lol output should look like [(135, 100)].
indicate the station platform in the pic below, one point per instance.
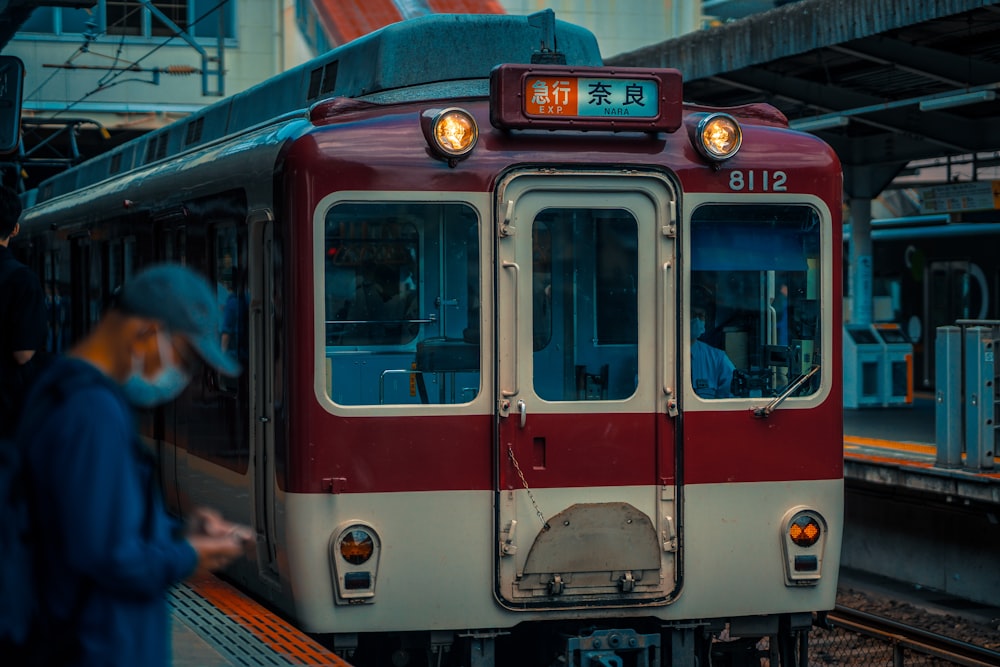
[(215, 625), (910, 521), (896, 447)]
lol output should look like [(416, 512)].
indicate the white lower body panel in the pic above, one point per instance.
[(437, 566)]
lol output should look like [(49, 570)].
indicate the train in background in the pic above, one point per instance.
[(465, 267)]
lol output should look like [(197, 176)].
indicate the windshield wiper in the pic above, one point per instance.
[(761, 412)]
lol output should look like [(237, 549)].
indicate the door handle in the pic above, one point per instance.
[(668, 350), (512, 266), (522, 409)]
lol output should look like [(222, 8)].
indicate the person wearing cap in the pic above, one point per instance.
[(108, 550)]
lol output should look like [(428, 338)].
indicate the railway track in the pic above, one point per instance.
[(907, 644)]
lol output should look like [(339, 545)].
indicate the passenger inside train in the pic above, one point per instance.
[(711, 370)]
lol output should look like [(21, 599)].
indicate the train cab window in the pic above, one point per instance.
[(754, 302), (585, 304), (402, 286)]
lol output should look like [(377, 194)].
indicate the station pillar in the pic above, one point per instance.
[(861, 274), (948, 397)]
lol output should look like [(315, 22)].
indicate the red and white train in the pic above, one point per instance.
[(459, 259)]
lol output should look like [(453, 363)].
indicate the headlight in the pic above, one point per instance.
[(718, 136), (354, 556), (356, 546), (451, 133)]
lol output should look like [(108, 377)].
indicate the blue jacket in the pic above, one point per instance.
[(711, 371), (108, 543)]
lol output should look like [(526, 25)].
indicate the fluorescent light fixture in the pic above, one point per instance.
[(958, 100), (818, 123)]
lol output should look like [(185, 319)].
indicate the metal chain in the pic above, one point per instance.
[(531, 496)]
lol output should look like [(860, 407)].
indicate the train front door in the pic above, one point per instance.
[(585, 337)]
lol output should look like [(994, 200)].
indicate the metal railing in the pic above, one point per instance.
[(851, 637)]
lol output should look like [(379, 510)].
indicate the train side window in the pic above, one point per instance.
[(120, 264), (585, 304), (232, 295), (128, 257), (225, 258), (754, 300), (214, 243), (96, 284), (116, 268), (401, 286), (55, 305)]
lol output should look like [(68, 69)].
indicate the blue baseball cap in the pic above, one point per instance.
[(185, 303)]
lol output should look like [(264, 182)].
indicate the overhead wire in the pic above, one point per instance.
[(89, 36), (68, 61), (117, 57), (107, 82)]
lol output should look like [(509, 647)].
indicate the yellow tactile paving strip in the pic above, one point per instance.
[(289, 644), (911, 454)]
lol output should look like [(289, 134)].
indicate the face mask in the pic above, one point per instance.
[(166, 386), (697, 328)]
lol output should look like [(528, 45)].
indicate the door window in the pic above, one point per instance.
[(585, 304)]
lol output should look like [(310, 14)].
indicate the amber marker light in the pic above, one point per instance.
[(356, 546), (451, 133), (804, 531), (718, 136)]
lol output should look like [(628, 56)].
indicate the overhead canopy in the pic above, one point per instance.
[(861, 68)]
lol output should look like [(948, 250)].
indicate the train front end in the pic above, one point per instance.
[(564, 375)]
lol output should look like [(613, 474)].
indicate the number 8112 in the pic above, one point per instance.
[(753, 180)]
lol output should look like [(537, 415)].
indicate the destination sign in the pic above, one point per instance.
[(555, 97), (578, 96)]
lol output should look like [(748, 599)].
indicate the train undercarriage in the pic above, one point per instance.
[(776, 641)]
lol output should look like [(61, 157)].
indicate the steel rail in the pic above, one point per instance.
[(903, 636)]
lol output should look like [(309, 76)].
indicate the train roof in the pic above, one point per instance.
[(406, 55)]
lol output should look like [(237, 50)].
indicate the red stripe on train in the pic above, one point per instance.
[(395, 454)]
